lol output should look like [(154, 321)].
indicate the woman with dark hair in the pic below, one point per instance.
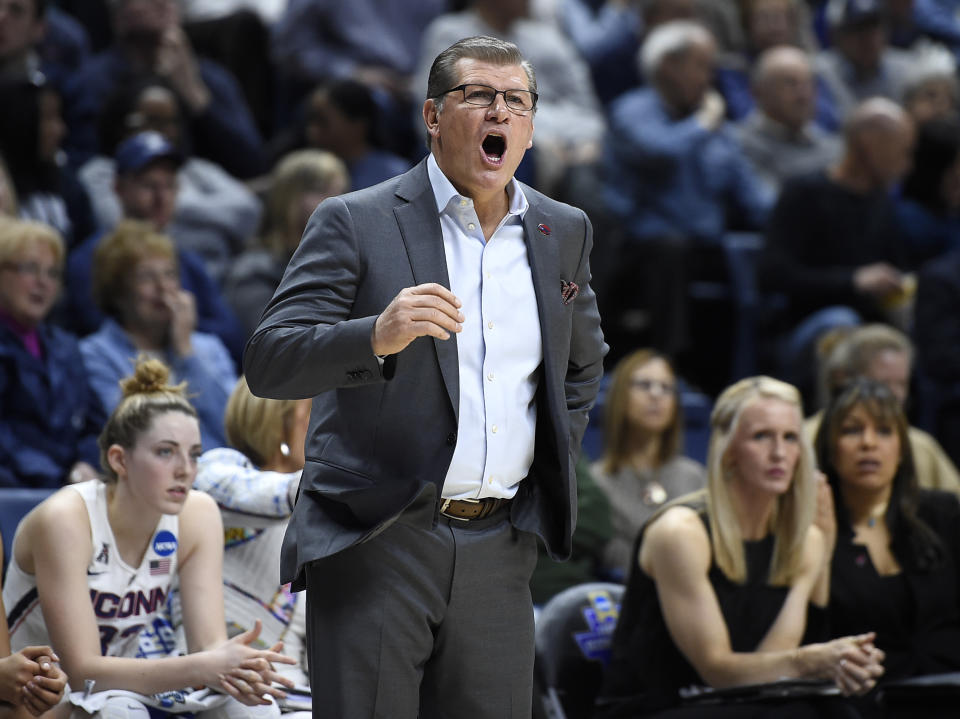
[(343, 118), (30, 138), (928, 210), (895, 566), (642, 466)]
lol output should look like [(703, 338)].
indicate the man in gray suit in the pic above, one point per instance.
[(444, 324)]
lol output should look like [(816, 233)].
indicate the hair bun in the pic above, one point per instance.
[(150, 376)]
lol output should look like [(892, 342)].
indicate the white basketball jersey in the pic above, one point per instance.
[(130, 603)]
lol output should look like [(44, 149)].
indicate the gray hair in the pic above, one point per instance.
[(443, 72), (669, 39), (929, 62)]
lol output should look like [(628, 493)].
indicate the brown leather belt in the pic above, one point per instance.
[(467, 509)]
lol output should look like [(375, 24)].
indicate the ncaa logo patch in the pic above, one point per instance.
[(164, 543)]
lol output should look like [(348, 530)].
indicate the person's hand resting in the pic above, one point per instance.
[(31, 678), (247, 674)]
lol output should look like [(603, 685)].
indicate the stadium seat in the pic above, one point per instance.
[(573, 636)]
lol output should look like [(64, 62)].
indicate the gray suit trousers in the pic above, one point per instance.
[(435, 623)]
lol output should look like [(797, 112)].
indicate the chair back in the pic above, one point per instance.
[(573, 640)]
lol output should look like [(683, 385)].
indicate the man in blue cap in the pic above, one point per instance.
[(146, 185)]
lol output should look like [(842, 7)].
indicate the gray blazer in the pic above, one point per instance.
[(381, 436)]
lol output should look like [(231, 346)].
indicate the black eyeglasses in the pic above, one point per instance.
[(483, 96)]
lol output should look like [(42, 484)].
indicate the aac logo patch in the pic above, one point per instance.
[(164, 543)]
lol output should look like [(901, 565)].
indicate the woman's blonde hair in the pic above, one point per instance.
[(298, 172), (17, 235), (146, 394), (615, 421), (256, 426), (794, 510)]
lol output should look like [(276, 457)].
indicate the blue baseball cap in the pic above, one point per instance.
[(850, 14), (137, 152)]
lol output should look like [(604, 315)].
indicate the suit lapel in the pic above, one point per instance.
[(543, 255), (420, 229)]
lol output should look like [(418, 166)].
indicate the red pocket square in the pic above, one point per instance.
[(568, 291)]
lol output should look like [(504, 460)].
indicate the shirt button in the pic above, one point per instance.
[(489, 325), (488, 275), (494, 429), (490, 479), (463, 203), (452, 438), (471, 226), (490, 376)]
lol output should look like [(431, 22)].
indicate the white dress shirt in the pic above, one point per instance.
[(499, 350)]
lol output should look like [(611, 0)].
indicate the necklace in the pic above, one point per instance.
[(875, 514)]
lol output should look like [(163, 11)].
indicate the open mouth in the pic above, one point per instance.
[(494, 146)]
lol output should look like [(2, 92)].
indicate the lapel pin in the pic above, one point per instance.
[(544, 229)]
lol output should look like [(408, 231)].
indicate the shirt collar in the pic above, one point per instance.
[(444, 192)]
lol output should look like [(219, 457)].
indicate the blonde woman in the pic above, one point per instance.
[(255, 482), (641, 467), (49, 413), (299, 183), (726, 577)]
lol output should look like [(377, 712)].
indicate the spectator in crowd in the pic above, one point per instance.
[(779, 136), (936, 331), (150, 41), (882, 354), (343, 118), (146, 167), (895, 566), (768, 24), (299, 183), (642, 466), (136, 284), (215, 214), (928, 208), (675, 172), (138, 533), (832, 244), (375, 43), (930, 90), (860, 64), (238, 38), (49, 415), (608, 34), (729, 586), (254, 482), (570, 122), (21, 30), (30, 137), (36, 37)]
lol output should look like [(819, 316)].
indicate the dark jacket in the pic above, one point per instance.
[(49, 417)]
